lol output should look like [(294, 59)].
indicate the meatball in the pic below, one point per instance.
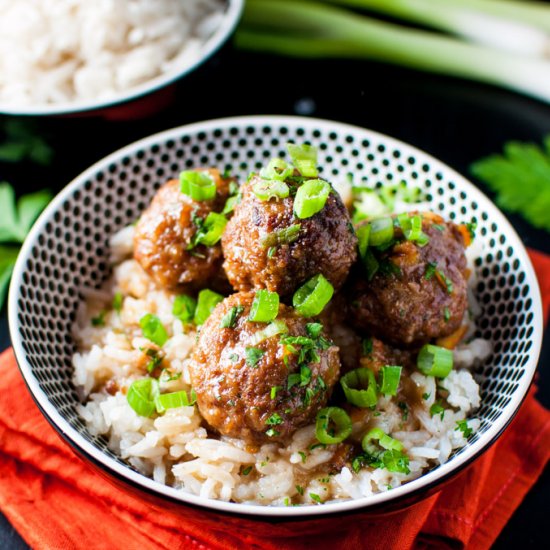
[(418, 292), (163, 239), (261, 252), (375, 354), (260, 389)]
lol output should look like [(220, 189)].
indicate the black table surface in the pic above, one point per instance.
[(454, 120)]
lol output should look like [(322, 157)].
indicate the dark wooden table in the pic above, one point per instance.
[(454, 120)]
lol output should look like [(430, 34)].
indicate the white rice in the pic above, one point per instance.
[(54, 51), (176, 449)]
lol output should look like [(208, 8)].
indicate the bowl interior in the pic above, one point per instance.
[(68, 250), (232, 13)]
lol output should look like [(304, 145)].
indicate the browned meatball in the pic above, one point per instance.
[(375, 354), (324, 243), (418, 293), (166, 229), (260, 391)]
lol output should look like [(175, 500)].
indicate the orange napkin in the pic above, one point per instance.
[(56, 501)]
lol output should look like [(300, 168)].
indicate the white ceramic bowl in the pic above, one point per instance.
[(232, 14), (68, 249)]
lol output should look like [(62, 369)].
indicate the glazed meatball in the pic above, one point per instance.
[(418, 292), (263, 390), (164, 235), (256, 256)]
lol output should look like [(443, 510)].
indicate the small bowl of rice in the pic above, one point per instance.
[(61, 57), (95, 331)]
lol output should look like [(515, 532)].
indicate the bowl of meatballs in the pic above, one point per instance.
[(276, 316)]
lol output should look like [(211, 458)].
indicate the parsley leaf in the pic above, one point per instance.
[(253, 356), (462, 425), (519, 177), (16, 219)]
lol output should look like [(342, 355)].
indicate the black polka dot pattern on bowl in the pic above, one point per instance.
[(70, 247)]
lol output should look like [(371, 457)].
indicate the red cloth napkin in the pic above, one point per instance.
[(56, 501)]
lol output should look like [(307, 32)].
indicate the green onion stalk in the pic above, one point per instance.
[(520, 27), (315, 30)]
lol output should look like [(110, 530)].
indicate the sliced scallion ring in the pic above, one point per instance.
[(207, 301), (435, 361), (266, 190), (311, 298), (363, 232), (359, 387), (332, 425), (265, 306), (153, 329), (311, 198), (277, 169), (304, 158), (211, 230), (381, 231), (273, 329), (383, 439), (171, 401), (142, 394), (390, 376), (197, 185)]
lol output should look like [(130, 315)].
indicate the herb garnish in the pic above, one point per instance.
[(230, 318), (253, 356)]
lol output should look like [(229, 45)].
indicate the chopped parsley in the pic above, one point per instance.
[(404, 410), (230, 318), (316, 498), (271, 252), (253, 356), (274, 420), (462, 425), (471, 227), (436, 408), (367, 346), (426, 396), (300, 490), (272, 432), (444, 280), (314, 329), (99, 321), (304, 458), (246, 470), (446, 314)]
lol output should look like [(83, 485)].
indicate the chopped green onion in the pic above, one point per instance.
[(198, 185), (363, 232), (266, 190), (184, 308), (277, 169), (230, 204), (314, 329), (207, 301), (265, 306), (153, 329), (381, 231), (371, 264), (274, 328), (286, 235), (446, 314), (430, 270), (390, 379), (412, 228), (171, 401), (253, 356), (384, 441), (210, 230), (246, 470), (230, 318), (359, 387), (396, 461), (272, 432), (117, 302), (332, 425), (142, 394), (311, 198), (274, 390), (434, 361), (304, 158), (311, 298)]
